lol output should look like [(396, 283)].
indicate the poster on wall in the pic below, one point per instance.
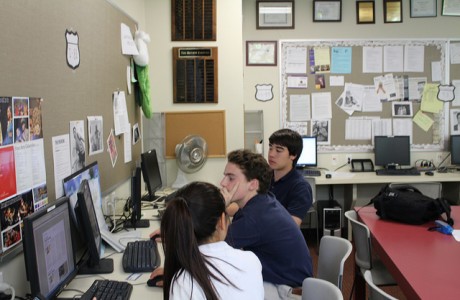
[(22, 166)]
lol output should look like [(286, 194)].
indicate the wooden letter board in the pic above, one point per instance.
[(195, 75), (193, 20)]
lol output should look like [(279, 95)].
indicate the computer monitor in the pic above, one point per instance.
[(392, 151), (135, 202), (71, 186), (455, 150), (48, 249), (87, 220), (309, 156), (151, 173)]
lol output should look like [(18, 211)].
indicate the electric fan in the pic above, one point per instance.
[(191, 155)]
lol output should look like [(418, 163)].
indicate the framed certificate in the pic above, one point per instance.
[(327, 11), (365, 12), (261, 53), (450, 8), (275, 14), (392, 11), (423, 8)]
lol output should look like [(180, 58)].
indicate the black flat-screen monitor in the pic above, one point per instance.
[(48, 249), (455, 150), (136, 220), (309, 156), (151, 173), (392, 151), (87, 220)]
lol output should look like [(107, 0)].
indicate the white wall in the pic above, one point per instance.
[(305, 28)]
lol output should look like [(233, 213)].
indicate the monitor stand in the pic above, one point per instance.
[(105, 266), (150, 198)]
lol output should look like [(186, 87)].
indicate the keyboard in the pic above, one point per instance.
[(398, 172), (108, 289), (310, 172), (141, 256)]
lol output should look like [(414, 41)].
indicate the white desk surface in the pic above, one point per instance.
[(371, 177), (140, 288)]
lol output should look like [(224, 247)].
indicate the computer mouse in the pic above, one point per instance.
[(154, 281), (429, 173), (328, 176)]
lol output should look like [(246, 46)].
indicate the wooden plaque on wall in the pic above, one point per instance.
[(193, 20), (195, 75)]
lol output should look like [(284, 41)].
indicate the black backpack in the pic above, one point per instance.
[(406, 204)]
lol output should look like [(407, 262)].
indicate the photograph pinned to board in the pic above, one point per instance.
[(95, 134), (136, 133), (77, 145), (112, 148), (402, 109), (455, 121), (321, 129)]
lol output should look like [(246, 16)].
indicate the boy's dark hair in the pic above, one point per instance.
[(253, 166), (290, 139)]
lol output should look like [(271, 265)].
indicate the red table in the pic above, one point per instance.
[(425, 264)]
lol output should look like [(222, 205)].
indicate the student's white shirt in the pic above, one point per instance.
[(242, 268)]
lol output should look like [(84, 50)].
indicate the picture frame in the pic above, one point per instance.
[(327, 11), (275, 14), (365, 12), (322, 130), (401, 109), (423, 8), (450, 8), (392, 11), (261, 53)]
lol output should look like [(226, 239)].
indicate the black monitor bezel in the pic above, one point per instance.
[(84, 210), (30, 259), (454, 155), (300, 165), (151, 167), (379, 151), (136, 197)]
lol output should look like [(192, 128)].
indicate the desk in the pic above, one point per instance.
[(140, 288), (425, 264), (365, 185)]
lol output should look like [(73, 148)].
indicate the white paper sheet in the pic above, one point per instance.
[(393, 59), (61, 161), (414, 59), (127, 145), (128, 47), (120, 113), (299, 108), (321, 105), (372, 59)]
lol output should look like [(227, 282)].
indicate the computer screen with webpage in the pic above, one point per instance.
[(48, 249)]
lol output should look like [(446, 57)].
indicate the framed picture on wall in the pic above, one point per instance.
[(423, 8), (261, 53), (365, 12), (392, 11), (327, 11), (450, 8), (275, 14)]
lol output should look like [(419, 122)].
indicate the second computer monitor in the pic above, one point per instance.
[(151, 172), (392, 151), (455, 150), (308, 158)]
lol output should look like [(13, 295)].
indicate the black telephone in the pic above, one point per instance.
[(362, 165)]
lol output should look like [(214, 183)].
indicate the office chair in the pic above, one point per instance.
[(376, 293), (319, 289), (363, 254), (333, 252)]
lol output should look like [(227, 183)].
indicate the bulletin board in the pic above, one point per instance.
[(434, 51), (208, 124), (33, 63)]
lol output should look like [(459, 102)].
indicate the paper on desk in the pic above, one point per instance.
[(456, 234)]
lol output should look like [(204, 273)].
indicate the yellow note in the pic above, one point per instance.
[(423, 120), (430, 102)]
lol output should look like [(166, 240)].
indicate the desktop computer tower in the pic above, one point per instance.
[(329, 218)]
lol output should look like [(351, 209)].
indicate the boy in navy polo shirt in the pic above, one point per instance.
[(288, 185), (262, 225)]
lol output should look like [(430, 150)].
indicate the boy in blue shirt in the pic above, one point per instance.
[(262, 225)]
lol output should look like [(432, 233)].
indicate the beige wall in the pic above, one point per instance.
[(305, 28)]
